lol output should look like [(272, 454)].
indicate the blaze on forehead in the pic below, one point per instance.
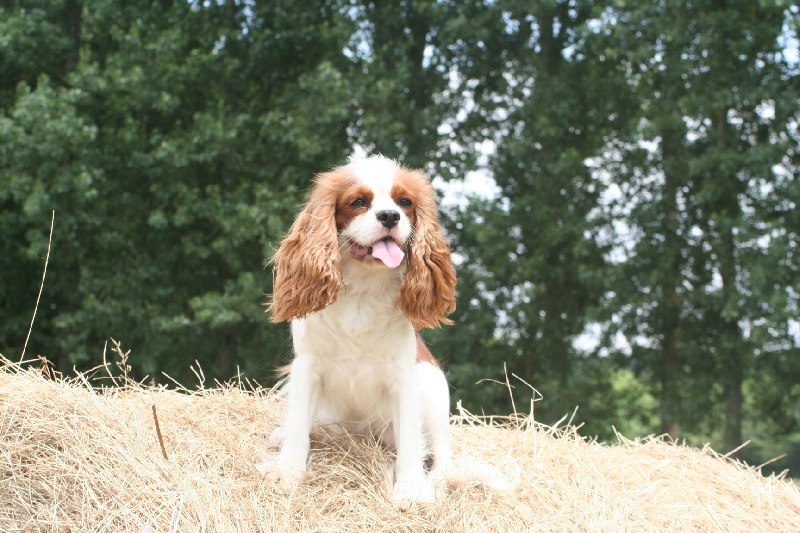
[(375, 171)]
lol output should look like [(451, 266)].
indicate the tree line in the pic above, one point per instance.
[(638, 258)]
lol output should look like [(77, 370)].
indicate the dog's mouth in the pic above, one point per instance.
[(386, 250)]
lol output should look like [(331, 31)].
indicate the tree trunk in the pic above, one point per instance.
[(734, 414), (670, 319), (228, 352), (732, 344), (73, 17), (727, 212), (670, 387), (62, 363)]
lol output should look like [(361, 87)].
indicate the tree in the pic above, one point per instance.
[(548, 104), (43, 163), (186, 135), (706, 75)]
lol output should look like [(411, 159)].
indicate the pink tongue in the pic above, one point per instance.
[(388, 252)]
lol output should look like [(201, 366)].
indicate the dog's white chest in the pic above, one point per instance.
[(362, 320), (359, 346)]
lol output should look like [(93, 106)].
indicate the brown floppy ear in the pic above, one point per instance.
[(427, 294), (306, 274)]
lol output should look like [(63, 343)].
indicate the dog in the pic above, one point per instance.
[(364, 267)]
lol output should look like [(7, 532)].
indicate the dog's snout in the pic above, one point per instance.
[(388, 218)]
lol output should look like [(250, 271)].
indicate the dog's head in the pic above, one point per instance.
[(380, 215)]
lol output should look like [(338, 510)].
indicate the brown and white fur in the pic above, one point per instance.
[(364, 267)]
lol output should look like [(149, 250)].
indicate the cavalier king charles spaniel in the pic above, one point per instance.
[(364, 267)]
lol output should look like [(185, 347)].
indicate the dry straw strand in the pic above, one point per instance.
[(41, 287), (158, 432)]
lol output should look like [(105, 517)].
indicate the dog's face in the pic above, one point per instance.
[(376, 213)]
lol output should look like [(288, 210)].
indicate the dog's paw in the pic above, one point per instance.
[(472, 470), (277, 437), (287, 472), (407, 493), (289, 479), (442, 471)]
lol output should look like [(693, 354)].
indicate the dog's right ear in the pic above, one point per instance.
[(306, 266)]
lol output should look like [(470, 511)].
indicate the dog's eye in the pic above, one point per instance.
[(359, 202), (404, 202)]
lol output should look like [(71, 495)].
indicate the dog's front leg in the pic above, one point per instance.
[(303, 400), (435, 414), (411, 484)]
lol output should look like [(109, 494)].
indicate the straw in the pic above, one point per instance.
[(90, 454)]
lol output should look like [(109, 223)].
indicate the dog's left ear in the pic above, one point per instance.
[(427, 294), (307, 275)]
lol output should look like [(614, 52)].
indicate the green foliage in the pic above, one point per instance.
[(707, 76), (173, 157)]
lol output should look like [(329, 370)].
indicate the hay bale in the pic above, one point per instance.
[(75, 458)]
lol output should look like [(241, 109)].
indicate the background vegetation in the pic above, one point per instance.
[(636, 255)]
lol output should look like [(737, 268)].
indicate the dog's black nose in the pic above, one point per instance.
[(388, 218)]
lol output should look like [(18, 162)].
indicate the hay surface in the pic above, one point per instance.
[(73, 458)]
